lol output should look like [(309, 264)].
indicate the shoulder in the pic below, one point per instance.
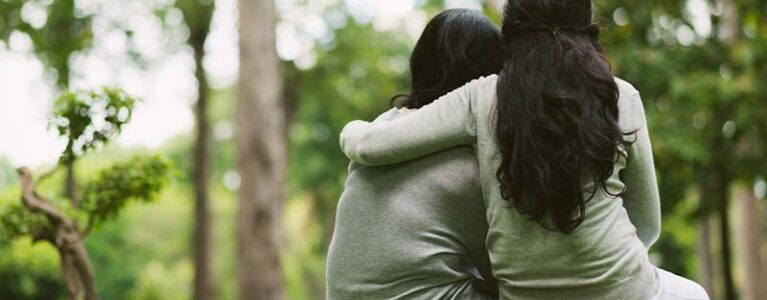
[(629, 97), (632, 115), (481, 88), (471, 92), (626, 88)]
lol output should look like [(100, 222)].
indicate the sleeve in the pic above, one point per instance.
[(642, 199), (445, 123), (387, 116)]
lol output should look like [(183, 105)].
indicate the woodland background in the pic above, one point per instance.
[(238, 202)]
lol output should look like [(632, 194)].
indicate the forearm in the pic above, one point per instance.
[(446, 123)]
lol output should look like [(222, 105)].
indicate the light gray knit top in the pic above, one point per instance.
[(414, 230), (605, 258)]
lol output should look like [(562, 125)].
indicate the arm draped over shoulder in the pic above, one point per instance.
[(447, 122)]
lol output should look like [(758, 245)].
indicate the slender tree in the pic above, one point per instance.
[(197, 16), (87, 120), (729, 31), (262, 154)]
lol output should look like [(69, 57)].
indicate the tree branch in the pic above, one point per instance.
[(42, 234), (36, 202)]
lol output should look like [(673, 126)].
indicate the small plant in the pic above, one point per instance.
[(87, 120)]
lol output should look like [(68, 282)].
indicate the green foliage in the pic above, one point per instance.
[(90, 119), (29, 271), (159, 283), (138, 179), (17, 221), (703, 98), (158, 238)]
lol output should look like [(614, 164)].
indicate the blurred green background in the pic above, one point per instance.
[(701, 66)]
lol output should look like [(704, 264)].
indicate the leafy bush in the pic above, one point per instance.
[(138, 179)]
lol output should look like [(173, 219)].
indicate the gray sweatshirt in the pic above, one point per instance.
[(411, 231), (605, 258)]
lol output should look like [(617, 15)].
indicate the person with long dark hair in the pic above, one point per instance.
[(565, 161), (398, 232)]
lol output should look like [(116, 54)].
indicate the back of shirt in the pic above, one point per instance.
[(414, 230)]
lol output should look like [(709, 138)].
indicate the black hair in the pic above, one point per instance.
[(557, 111), (457, 46)]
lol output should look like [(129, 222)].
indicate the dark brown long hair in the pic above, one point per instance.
[(557, 111)]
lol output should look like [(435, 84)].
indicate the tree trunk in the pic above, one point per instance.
[(703, 248), (75, 263), (205, 284), (198, 16), (63, 234), (729, 31), (262, 154), (72, 280), (725, 241), (752, 238)]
